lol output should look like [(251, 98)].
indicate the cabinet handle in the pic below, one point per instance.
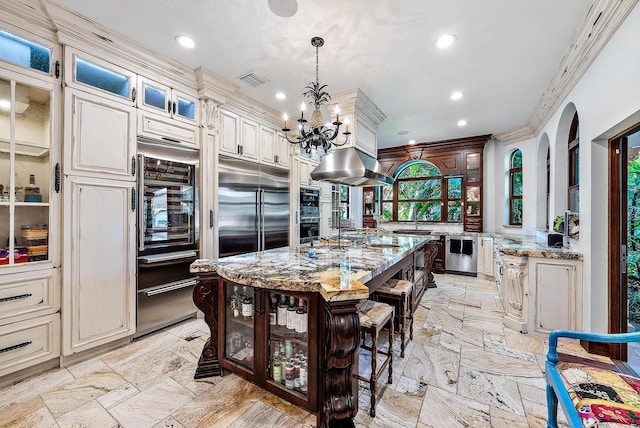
[(133, 95), (18, 297), (57, 69), (56, 179), (14, 347), (174, 107), (169, 106), (133, 166), (210, 219), (276, 159), (133, 199)]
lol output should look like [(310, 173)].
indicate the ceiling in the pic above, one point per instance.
[(505, 55)]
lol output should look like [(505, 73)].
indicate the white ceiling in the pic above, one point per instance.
[(505, 55)]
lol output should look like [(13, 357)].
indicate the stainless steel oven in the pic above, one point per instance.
[(168, 234), (309, 215)]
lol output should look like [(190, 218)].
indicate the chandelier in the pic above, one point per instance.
[(316, 135)]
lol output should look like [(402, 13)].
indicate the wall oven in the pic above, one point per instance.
[(309, 215), (168, 234)]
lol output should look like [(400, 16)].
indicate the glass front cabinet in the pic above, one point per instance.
[(29, 172), (473, 191), (270, 338)]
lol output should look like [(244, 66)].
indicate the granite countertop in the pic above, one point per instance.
[(528, 247), (337, 273)]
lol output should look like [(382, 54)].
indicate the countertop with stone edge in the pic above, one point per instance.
[(336, 273)]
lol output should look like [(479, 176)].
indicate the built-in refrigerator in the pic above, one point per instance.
[(253, 207)]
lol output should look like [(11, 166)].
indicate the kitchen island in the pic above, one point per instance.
[(327, 287)]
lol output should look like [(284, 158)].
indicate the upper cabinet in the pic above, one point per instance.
[(274, 148), (166, 101), (100, 137), (473, 191), (92, 74), (249, 131)]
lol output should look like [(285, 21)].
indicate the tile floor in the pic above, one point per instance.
[(463, 369)]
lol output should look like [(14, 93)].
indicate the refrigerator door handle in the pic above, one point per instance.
[(262, 216), (258, 214), (141, 203)]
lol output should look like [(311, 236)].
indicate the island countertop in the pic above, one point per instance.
[(336, 273)]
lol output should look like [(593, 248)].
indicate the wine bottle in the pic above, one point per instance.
[(301, 317), (291, 314), (282, 311), (247, 304), (273, 315), (234, 302)]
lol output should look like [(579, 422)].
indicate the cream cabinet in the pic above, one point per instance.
[(167, 101), (485, 255), (99, 271), (156, 126), (514, 292), (325, 218), (249, 137), (229, 134), (303, 172), (283, 152), (100, 136), (555, 294), (267, 147)]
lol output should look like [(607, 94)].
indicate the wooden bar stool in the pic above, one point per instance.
[(374, 316), (399, 293)]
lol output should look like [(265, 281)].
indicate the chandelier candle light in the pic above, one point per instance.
[(317, 134)]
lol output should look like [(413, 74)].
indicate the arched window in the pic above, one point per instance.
[(515, 188), (574, 165), (422, 193)]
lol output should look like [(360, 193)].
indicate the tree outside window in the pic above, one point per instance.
[(515, 188), (421, 193)]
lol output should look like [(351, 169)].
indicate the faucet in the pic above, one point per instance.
[(415, 221)]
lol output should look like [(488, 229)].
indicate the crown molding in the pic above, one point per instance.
[(82, 33), (602, 21), (213, 87), (515, 135), (26, 18), (355, 101)]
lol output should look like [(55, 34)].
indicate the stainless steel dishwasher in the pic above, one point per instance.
[(461, 255)]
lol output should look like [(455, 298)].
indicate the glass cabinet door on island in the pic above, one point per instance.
[(25, 170), (288, 342), (239, 325)]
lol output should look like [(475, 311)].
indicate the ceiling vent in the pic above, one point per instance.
[(253, 79)]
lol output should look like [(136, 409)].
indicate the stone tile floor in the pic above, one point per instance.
[(463, 369)]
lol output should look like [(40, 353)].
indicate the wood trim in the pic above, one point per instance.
[(613, 272)]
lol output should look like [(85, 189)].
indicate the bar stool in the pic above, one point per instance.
[(399, 293), (374, 316)]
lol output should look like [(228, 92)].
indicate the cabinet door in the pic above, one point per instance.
[(239, 327), (99, 263), (268, 141), (162, 127), (325, 218), (185, 107), (100, 137), (154, 96), (557, 298), (485, 256), (282, 152), (229, 133), (305, 179), (249, 139)]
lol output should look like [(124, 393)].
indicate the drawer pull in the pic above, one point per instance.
[(18, 297), (14, 347)]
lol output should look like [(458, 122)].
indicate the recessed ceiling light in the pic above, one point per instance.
[(446, 41), (281, 96), (412, 142), (456, 95), (462, 122), (186, 42), (403, 132)]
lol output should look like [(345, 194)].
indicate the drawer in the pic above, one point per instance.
[(25, 296), (168, 129), (30, 342)]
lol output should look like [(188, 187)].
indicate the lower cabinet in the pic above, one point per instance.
[(555, 294), (271, 339), (98, 298), (29, 319), (438, 263), (485, 255)]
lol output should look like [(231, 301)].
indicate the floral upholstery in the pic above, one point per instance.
[(602, 398)]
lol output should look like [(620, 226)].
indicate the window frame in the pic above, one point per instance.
[(443, 200), (513, 197)]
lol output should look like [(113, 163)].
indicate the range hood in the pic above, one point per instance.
[(352, 167)]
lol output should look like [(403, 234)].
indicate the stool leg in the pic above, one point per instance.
[(402, 335), (372, 381), (411, 319), (390, 380)]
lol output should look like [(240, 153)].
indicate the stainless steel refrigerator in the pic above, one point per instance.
[(253, 207)]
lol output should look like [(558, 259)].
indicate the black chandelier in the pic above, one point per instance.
[(316, 135)]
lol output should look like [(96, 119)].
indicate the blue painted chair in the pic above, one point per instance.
[(591, 395)]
